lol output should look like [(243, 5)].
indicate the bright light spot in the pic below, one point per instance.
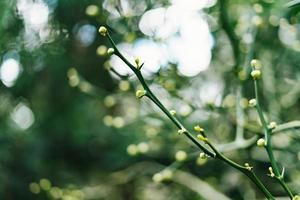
[(38, 15), (22, 116), (9, 71), (288, 35), (158, 22), (152, 54), (86, 34), (191, 48), (35, 14)]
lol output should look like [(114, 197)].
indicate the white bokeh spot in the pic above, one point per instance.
[(9, 71), (22, 116)]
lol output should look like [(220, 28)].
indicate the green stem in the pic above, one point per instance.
[(268, 146), (216, 153)]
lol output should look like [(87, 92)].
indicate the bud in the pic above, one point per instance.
[(180, 156), (137, 61), (103, 31), (256, 74), (272, 125), (110, 51), (296, 197), (256, 64), (248, 166), (261, 142), (201, 137), (140, 93), (202, 155), (252, 102), (173, 112), (198, 129), (181, 131)]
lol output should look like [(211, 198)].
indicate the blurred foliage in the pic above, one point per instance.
[(72, 129)]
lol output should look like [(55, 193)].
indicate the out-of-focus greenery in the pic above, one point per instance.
[(71, 129)]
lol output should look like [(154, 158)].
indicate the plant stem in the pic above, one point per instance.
[(268, 146), (216, 153)]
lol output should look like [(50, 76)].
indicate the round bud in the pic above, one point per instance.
[(256, 74), (261, 142), (272, 125), (256, 64), (180, 156), (248, 166), (201, 137), (140, 93), (198, 129), (202, 155), (252, 102), (103, 31), (173, 112), (296, 197), (110, 51)]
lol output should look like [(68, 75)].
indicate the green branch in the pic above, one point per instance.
[(256, 74), (216, 154)]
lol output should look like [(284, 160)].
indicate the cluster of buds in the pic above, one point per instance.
[(256, 65), (103, 30), (248, 166), (201, 135)]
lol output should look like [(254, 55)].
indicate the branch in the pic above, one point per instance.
[(216, 154)]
